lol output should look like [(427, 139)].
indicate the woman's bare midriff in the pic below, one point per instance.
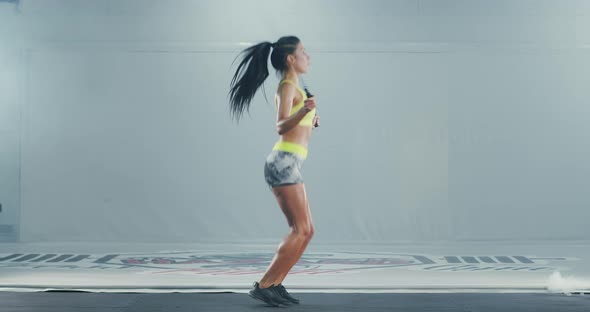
[(299, 134)]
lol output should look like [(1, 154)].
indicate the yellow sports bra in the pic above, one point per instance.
[(307, 120)]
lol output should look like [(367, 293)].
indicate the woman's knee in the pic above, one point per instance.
[(305, 231)]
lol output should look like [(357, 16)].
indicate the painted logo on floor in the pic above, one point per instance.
[(225, 263)]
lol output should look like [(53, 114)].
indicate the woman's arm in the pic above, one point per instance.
[(285, 122)]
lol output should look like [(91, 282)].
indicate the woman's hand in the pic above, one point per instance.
[(309, 105)]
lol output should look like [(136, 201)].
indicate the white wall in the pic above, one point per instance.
[(441, 120)]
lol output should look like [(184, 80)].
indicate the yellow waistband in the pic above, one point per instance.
[(291, 147)]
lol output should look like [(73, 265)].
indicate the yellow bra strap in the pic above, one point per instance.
[(296, 86), (288, 80)]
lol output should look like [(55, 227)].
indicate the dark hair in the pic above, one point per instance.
[(253, 70)]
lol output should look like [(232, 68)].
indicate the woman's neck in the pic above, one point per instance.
[(291, 76)]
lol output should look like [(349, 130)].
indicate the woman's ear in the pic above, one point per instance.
[(290, 59)]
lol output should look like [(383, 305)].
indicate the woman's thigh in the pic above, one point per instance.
[(293, 202)]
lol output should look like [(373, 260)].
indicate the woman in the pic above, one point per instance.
[(295, 119)]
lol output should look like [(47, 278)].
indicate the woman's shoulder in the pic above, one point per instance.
[(286, 88), (289, 86)]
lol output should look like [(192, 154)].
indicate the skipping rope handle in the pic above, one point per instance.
[(308, 94)]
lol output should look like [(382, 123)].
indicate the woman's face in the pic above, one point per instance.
[(300, 59)]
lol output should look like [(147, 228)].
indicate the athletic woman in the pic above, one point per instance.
[(294, 122)]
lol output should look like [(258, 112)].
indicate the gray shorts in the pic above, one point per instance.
[(283, 168)]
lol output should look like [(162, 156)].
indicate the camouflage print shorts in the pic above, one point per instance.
[(283, 168)]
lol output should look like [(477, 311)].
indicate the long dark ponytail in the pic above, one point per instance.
[(253, 70)]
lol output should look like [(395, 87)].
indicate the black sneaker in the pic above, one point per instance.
[(268, 295), (283, 292)]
